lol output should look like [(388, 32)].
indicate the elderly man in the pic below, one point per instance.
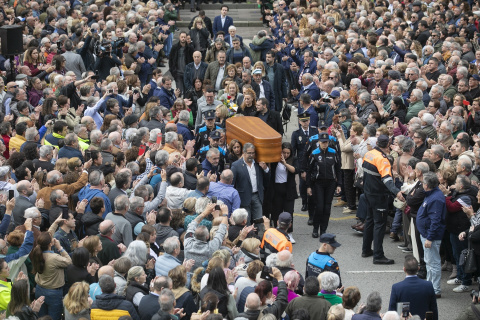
[(416, 104), (95, 188), (366, 108), (445, 134), (372, 309), (315, 305), (431, 225), (225, 191), (110, 250), (22, 202), (176, 193), (211, 164), (169, 260), (196, 244), (464, 167), (149, 305), (123, 232), (70, 149)]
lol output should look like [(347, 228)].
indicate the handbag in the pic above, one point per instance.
[(468, 260)]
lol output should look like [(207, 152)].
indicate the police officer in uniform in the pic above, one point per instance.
[(378, 184), (214, 140), (203, 132), (322, 179), (312, 144), (321, 260), (300, 139), (277, 239)]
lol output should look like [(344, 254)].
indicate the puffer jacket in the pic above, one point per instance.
[(109, 306)]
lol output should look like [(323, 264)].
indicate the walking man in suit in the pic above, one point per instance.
[(249, 178), (266, 90), (412, 289), (222, 22)]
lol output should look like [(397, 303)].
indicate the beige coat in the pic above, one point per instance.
[(347, 152)]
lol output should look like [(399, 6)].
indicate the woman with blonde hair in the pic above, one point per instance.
[(178, 106), (199, 35), (251, 249), (136, 288), (221, 114), (94, 246), (61, 165), (248, 107), (336, 312), (416, 48), (232, 91), (77, 303), (183, 296)]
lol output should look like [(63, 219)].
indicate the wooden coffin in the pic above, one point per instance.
[(267, 142)]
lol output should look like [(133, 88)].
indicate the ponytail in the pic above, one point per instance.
[(43, 244)]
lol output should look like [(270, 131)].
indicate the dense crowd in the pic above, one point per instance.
[(123, 198)]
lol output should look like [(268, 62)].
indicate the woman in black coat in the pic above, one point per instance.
[(285, 186), (199, 36), (81, 269)]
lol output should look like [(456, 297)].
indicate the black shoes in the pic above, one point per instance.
[(304, 207), (310, 222), (383, 260), (367, 254), (192, 10), (315, 234)]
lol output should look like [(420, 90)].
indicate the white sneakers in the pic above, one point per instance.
[(461, 288), (291, 238), (454, 281)]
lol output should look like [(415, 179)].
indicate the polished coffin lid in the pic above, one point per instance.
[(267, 142)]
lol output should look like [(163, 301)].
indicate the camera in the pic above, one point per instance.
[(266, 273), (102, 49), (326, 100), (120, 42), (474, 295)]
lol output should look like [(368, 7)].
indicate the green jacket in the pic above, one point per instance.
[(171, 15), (413, 110), (450, 92)]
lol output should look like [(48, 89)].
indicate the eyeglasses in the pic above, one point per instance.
[(331, 77)]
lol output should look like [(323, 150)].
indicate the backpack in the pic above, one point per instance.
[(286, 112)]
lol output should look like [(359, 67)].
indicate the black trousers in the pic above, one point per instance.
[(375, 224), (350, 190), (302, 188), (419, 241), (323, 191), (281, 204)]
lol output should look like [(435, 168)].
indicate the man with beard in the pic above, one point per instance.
[(445, 137)]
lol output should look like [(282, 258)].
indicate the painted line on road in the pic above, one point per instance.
[(376, 271), (334, 219)]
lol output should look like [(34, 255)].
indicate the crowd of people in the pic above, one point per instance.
[(115, 206)]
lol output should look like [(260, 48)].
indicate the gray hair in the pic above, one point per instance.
[(211, 152), (53, 177), (239, 216), (121, 203), (184, 116), (428, 118), (464, 180), (417, 93), (31, 133), (170, 137), (465, 162), (45, 150), (153, 134), (448, 126), (70, 138), (463, 70), (365, 96), (201, 204), (374, 302), (154, 112), (166, 299), (31, 213), (438, 150), (95, 135), (132, 49), (457, 122), (161, 158), (136, 251), (106, 144), (391, 315), (271, 260), (422, 167), (439, 89), (136, 202), (170, 244), (357, 82), (247, 146), (423, 84), (329, 281), (408, 145), (95, 178), (431, 180), (201, 233)]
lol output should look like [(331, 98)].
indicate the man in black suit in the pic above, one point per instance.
[(249, 178), (123, 180), (299, 145), (419, 293), (266, 90), (270, 117), (149, 304), (276, 77)]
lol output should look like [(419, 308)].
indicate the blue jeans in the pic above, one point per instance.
[(434, 263), (362, 208), (457, 247), (168, 44), (53, 305), (397, 222)]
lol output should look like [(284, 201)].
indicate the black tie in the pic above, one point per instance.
[(306, 133)]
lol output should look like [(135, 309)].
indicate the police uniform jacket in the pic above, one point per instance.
[(312, 144), (201, 136), (322, 165), (300, 141), (377, 174), (318, 262)]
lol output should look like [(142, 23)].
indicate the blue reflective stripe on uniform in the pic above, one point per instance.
[(331, 150), (332, 138), (204, 149), (316, 151), (312, 138), (218, 128), (320, 260), (204, 128), (221, 151)]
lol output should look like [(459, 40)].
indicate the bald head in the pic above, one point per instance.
[(171, 127), (284, 255), (106, 227), (54, 177), (25, 188), (226, 176), (108, 270), (253, 301)]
